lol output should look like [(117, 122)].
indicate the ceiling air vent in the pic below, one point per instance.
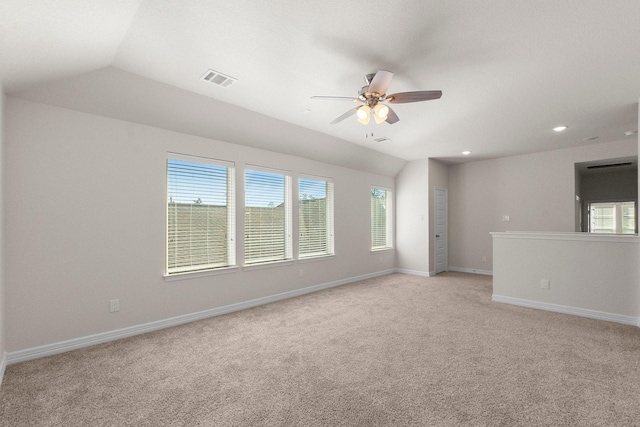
[(382, 139), (218, 78)]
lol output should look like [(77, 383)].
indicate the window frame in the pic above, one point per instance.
[(329, 218), (287, 218), (388, 226), (197, 270)]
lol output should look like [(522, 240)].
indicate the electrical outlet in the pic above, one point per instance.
[(544, 284), (301, 273), (114, 305), (484, 259)]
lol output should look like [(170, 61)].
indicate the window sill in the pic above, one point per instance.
[(378, 250), (316, 258), (251, 267), (196, 274)]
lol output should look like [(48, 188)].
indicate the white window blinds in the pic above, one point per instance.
[(315, 217), (381, 219), (267, 216), (200, 215)]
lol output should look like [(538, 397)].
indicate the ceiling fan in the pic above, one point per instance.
[(373, 97)]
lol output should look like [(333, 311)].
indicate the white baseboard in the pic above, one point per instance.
[(3, 366), (103, 337), (433, 273), (470, 270), (415, 272), (592, 314)]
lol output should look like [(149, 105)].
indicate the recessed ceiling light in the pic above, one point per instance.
[(466, 153), (560, 128), (631, 132)]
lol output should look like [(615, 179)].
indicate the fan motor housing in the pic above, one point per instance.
[(371, 98)]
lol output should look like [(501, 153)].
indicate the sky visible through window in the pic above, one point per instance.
[(312, 189), (189, 182), (263, 188)]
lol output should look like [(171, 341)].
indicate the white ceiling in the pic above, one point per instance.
[(509, 70)]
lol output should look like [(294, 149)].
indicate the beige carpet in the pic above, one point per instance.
[(396, 350)]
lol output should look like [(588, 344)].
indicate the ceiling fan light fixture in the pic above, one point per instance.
[(375, 92), (364, 114), (380, 112)]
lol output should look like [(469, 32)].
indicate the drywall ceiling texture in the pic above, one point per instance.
[(121, 95), (44, 41), (509, 72)]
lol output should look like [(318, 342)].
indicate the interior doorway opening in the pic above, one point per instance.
[(607, 196)]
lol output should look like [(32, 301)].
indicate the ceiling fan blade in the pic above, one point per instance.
[(381, 82), (345, 115), (392, 117), (336, 98), (417, 96)]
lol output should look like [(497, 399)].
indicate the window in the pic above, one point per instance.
[(315, 217), (267, 216), (612, 218), (381, 219), (200, 214)]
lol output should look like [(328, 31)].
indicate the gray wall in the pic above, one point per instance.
[(73, 242), (610, 186), (590, 275), (536, 191), (85, 201), (412, 217)]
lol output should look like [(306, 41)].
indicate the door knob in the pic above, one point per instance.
[(437, 235)]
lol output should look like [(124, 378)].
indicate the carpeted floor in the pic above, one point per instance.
[(391, 351)]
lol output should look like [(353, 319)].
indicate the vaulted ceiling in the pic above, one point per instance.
[(509, 70)]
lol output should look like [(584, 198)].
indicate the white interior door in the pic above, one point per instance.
[(441, 229)]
